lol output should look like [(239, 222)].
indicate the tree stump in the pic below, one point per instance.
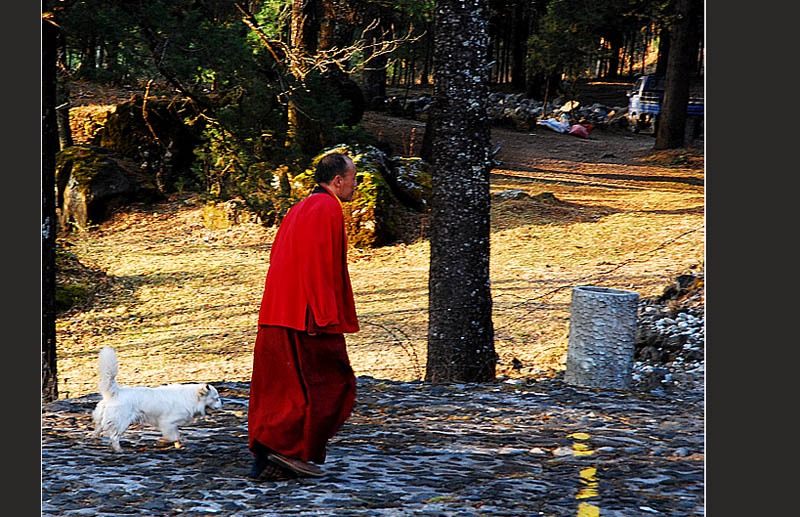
[(602, 333)]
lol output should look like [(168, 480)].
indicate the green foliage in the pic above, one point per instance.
[(86, 162), (102, 43), (356, 135), (565, 39), (569, 33), (70, 295), (274, 19)]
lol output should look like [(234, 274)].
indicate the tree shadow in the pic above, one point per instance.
[(542, 209), (583, 179)]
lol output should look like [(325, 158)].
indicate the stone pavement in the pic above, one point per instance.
[(536, 447)]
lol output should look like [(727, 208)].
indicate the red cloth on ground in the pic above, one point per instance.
[(301, 392), (308, 269)]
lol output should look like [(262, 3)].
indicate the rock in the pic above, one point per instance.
[(504, 195), (569, 106), (93, 182), (680, 452), (651, 354), (520, 113), (410, 179), (670, 333), (162, 144), (385, 187), (563, 451), (681, 286), (217, 216), (547, 197)]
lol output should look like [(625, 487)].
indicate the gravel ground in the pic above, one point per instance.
[(532, 447)]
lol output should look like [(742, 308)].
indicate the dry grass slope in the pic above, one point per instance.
[(181, 301)]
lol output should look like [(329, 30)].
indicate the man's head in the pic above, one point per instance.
[(337, 172)]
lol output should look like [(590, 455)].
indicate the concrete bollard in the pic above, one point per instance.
[(602, 330)]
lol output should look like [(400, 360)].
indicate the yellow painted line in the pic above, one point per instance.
[(579, 436), (588, 510), (588, 476), (580, 449)]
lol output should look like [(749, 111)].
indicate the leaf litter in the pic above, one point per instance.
[(180, 301)]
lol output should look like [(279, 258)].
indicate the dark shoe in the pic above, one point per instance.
[(260, 462), (273, 472), (264, 470), (299, 467)]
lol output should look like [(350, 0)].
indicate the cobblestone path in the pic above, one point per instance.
[(409, 448)]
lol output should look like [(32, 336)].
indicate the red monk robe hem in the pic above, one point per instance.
[(301, 392)]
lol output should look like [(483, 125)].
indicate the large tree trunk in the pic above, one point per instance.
[(519, 42), (50, 145), (672, 119), (337, 25), (615, 42), (62, 94), (460, 332), (663, 52), (428, 61), (374, 85), (306, 19)]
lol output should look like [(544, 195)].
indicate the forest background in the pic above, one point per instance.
[(268, 93)]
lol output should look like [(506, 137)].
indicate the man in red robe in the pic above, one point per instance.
[(302, 387)]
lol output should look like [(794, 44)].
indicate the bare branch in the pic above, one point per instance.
[(251, 22), (300, 63)]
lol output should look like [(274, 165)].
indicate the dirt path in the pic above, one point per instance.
[(183, 300)]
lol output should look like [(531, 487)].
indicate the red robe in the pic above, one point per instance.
[(308, 269), (302, 387)]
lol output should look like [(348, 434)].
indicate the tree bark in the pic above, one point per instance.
[(305, 28), (672, 119), (615, 44), (374, 77), (460, 331), (426, 67), (602, 331), (337, 25), (50, 146), (519, 43), (62, 94), (306, 22), (663, 52)]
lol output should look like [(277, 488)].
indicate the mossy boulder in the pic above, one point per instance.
[(371, 216), (410, 178), (93, 182), (159, 136), (86, 121), (217, 216), (70, 295), (386, 187)]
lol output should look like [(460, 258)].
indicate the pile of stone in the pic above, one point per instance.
[(519, 112), (670, 336)]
